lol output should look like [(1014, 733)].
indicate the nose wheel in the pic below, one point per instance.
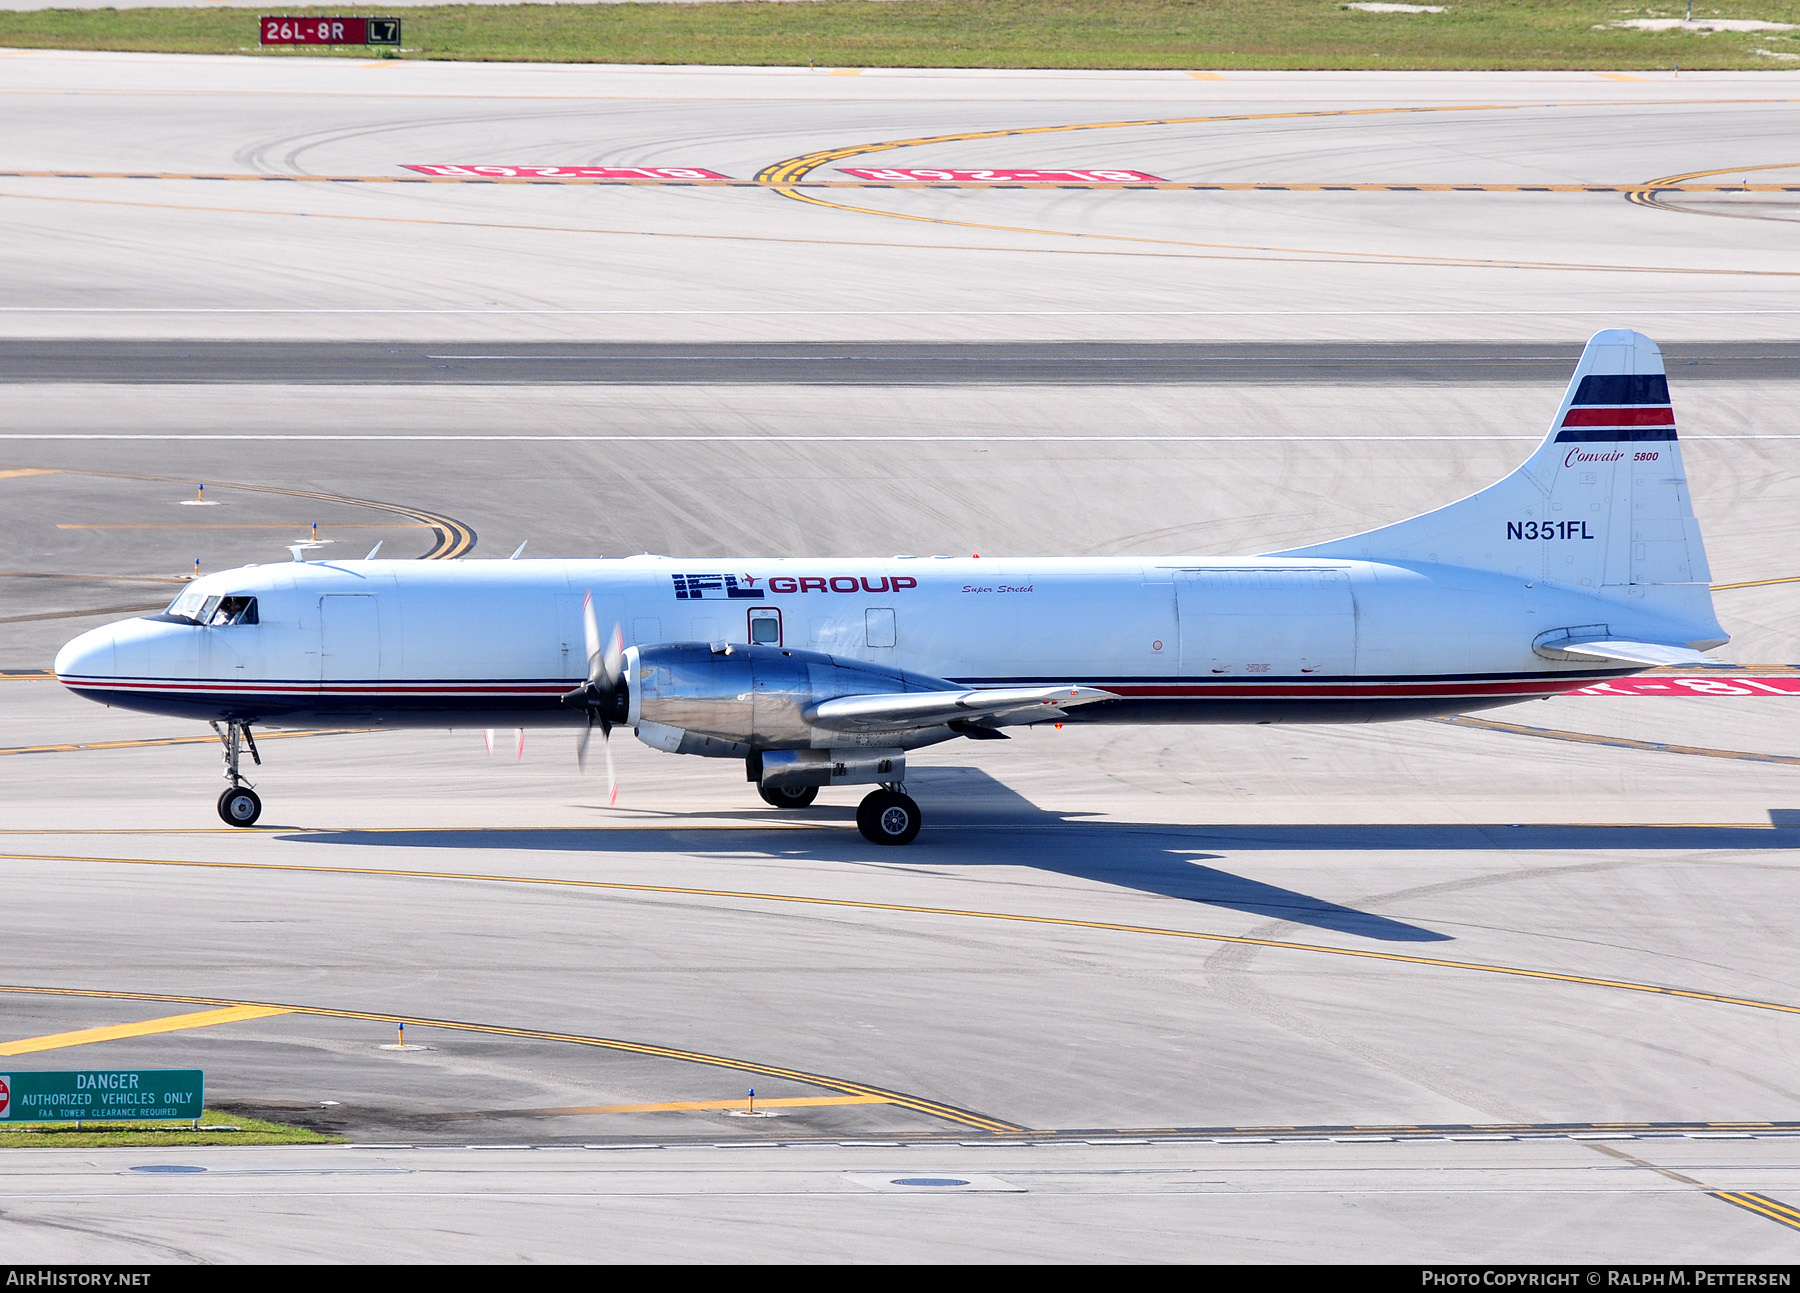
[(240, 806), (888, 817)]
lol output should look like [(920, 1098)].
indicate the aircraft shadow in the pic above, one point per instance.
[(964, 806), (1167, 861)]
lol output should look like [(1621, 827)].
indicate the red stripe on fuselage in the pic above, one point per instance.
[(1212, 689)]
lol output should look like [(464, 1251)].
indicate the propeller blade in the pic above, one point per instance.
[(521, 754), (490, 742), (591, 630), (581, 746), (615, 657), (612, 777)]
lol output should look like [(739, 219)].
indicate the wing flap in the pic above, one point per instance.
[(889, 710)]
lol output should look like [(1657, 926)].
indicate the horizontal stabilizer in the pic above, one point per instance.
[(1650, 653), (887, 711)]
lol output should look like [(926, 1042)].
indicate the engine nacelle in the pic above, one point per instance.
[(799, 769), (733, 700)]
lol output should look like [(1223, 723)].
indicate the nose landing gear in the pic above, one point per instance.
[(240, 805), (888, 816)]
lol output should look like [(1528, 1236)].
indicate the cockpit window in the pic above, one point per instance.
[(195, 606), (187, 604), (233, 610)]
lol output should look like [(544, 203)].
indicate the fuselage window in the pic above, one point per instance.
[(878, 626), (765, 627)]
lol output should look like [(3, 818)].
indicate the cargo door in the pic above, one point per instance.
[(1266, 623), (350, 646)]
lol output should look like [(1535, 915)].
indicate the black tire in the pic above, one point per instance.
[(887, 817), (240, 806), (799, 797)]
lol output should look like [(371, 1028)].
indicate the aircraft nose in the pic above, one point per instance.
[(92, 655)]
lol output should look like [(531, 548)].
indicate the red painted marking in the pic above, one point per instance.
[(571, 172), (1632, 417), (1237, 689), (1729, 685), (915, 175), (314, 31), (5, 1097)]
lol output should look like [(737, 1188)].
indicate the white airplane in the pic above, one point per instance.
[(1585, 564)]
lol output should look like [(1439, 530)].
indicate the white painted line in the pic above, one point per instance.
[(783, 439), (900, 314), (158, 436), (934, 1182)]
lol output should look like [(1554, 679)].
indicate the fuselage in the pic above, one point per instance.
[(1179, 639)]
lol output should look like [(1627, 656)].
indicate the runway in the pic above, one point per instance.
[(1516, 990), (159, 363)]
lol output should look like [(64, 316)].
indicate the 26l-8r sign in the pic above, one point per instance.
[(330, 31)]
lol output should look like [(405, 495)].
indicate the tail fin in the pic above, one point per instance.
[(1601, 505)]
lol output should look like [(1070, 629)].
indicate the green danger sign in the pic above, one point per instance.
[(101, 1095)]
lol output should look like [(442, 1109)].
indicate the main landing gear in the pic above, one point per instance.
[(885, 816), (888, 816), (798, 797), (240, 805)]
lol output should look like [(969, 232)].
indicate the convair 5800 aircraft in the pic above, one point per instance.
[(1584, 564)]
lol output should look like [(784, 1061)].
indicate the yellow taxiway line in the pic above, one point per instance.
[(1761, 1205), (873, 1094), (242, 525), (144, 1028), (1614, 742), (174, 740), (790, 176), (764, 182), (692, 1106), (957, 913), (1756, 583)]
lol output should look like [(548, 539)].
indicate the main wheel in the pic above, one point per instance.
[(240, 806), (798, 797), (888, 817)]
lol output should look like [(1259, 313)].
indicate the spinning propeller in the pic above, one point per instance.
[(606, 664)]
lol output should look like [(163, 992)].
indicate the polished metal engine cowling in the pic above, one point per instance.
[(728, 701)]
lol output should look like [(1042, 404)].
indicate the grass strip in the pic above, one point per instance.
[(215, 1129), (1471, 35)]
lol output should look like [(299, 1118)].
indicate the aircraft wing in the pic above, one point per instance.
[(1651, 653), (887, 711)]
